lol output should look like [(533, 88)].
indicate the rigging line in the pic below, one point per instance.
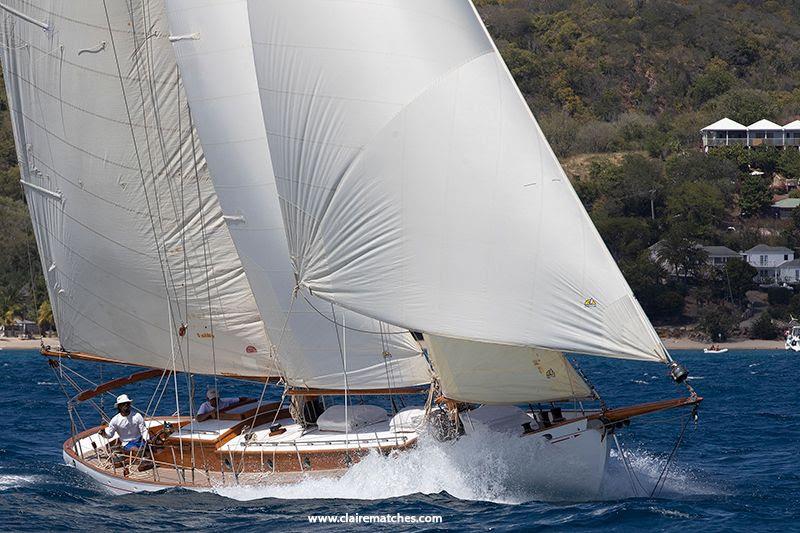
[(333, 321), (153, 396), (662, 476), (275, 362), (208, 271), (136, 150), (136, 57)]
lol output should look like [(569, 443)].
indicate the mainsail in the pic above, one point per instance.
[(317, 341), (139, 263), (418, 189)]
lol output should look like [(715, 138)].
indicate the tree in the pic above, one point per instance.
[(717, 322), (763, 328), (715, 80), (754, 195), (698, 205), (739, 276), (649, 282), (45, 317), (681, 253)]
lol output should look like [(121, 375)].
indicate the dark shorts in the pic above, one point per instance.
[(138, 443)]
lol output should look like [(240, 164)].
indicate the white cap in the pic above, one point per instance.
[(212, 393), (122, 398)]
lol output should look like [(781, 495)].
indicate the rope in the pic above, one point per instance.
[(662, 476), (333, 321)]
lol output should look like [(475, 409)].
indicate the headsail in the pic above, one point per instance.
[(315, 342), (130, 233), (417, 187), (486, 373)]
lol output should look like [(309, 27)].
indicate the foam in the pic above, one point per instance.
[(481, 466)]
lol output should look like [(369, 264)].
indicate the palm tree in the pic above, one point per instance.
[(45, 317)]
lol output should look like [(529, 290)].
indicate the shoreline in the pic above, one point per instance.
[(685, 343), (671, 343), (13, 343)]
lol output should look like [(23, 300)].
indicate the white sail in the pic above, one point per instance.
[(470, 371), (129, 229), (417, 187), (212, 43)]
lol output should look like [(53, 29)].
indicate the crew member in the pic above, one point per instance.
[(128, 426)]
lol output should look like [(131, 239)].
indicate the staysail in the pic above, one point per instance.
[(417, 187), (316, 341), (471, 371), (139, 263)]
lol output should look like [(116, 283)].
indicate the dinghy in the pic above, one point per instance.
[(715, 350), (341, 200)]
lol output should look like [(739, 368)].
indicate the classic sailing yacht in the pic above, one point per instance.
[(284, 191)]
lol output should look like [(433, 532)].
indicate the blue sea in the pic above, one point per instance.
[(736, 470)]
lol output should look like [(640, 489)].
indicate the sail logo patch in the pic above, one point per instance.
[(590, 302)]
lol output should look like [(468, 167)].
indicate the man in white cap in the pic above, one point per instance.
[(129, 427), (214, 404)]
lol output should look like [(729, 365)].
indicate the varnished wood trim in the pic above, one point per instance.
[(121, 382), (356, 392)]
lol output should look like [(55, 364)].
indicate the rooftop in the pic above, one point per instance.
[(725, 124), (791, 264), (787, 203), (764, 124), (722, 251), (763, 248), (794, 125)]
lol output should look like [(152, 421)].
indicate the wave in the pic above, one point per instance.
[(481, 466), (11, 481)]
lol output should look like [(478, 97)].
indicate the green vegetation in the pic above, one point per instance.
[(621, 89)]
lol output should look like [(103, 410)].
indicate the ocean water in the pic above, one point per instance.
[(736, 470)]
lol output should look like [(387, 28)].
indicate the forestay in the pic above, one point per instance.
[(212, 43), (129, 229), (479, 372), (417, 187)]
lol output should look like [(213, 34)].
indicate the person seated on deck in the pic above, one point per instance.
[(215, 404), (129, 427)]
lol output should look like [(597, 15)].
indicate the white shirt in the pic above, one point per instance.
[(222, 403), (128, 428)]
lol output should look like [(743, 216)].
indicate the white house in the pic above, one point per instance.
[(724, 132), (764, 133), (789, 272), (767, 259), (791, 134), (719, 255)]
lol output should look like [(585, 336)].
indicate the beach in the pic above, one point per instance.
[(672, 343), (686, 343), (12, 343)]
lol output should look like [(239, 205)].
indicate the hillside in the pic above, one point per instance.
[(621, 89)]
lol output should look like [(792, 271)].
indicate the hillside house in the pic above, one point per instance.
[(783, 209), (767, 259), (724, 132), (789, 272), (727, 132), (764, 133)]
